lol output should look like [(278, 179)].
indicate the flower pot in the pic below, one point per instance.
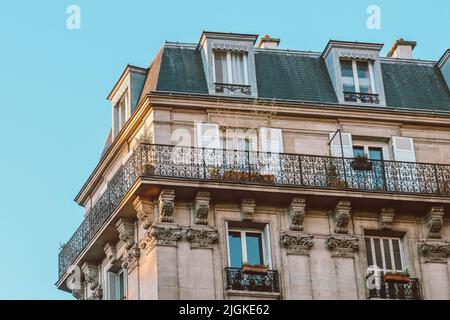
[(337, 183), (393, 277), (362, 164), (255, 269)]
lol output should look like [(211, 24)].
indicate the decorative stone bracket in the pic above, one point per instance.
[(131, 258), (434, 220), (297, 213), (435, 250), (125, 228), (144, 209), (342, 216), (247, 209), (297, 243), (74, 283), (342, 246), (160, 235), (386, 218), (202, 238), (110, 251), (166, 204), (91, 276), (201, 207)]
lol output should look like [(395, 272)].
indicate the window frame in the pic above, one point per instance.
[(355, 75), (117, 275), (383, 268), (229, 68)]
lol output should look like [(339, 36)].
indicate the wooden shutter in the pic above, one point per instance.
[(270, 140), (403, 149), (208, 135), (347, 145)]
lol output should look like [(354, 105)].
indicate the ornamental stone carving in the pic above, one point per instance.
[(435, 250), (247, 209), (74, 283), (166, 204), (202, 238), (386, 218), (97, 294), (201, 207), (297, 213), (342, 216), (342, 246), (144, 209), (125, 228), (90, 272), (131, 258), (434, 220), (110, 251), (297, 243), (160, 235)]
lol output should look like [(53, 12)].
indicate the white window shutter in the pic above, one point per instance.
[(270, 140), (208, 135), (403, 149), (347, 145), (266, 247), (112, 286)]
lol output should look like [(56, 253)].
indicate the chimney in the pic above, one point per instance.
[(402, 49), (268, 42)]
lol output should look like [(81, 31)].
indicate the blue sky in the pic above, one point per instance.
[(54, 82)]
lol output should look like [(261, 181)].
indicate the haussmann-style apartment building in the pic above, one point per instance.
[(238, 170)]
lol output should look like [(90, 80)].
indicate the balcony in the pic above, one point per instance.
[(361, 97), (397, 290), (249, 281), (257, 168)]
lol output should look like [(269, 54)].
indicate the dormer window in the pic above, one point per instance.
[(121, 113), (358, 81), (231, 72)]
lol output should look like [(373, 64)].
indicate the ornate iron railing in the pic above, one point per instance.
[(361, 97), (231, 166), (251, 281), (396, 290), (230, 87)]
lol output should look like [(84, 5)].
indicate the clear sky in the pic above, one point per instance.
[(54, 82)]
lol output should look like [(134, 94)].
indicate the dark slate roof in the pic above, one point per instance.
[(300, 76)]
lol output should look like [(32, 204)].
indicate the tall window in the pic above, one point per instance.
[(248, 245), (357, 77), (230, 68), (121, 113), (385, 252), (116, 285)]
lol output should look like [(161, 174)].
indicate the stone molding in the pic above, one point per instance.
[(202, 238), (201, 207), (342, 216), (125, 228), (297, 213), (436, 251), (297, 243), (342, 246), (160, 235), (110, 251), (386, 218), (166, 203), (247, 209), (434, 221), (144, 211)]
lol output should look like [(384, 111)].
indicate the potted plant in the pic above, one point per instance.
[(333, 178), (362, 163), (254, 268), (397, 276), (214, 173)]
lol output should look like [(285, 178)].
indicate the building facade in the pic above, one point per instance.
[(242, 171)]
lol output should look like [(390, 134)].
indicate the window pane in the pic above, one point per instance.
[(121, 287), (369, 252), (220, 66), (346, 68), (358, 151), (237, 67), (363, 77), (378, 256), (375, 154), (254, 248), (387, 254), (234, 239), (397, 258)]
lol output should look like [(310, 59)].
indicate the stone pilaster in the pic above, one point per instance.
[(342, 216), (201, 207), (297, 213), (247, 209), (297, 243), (386, 218), (144, 211), (166, 202), (202, 238)]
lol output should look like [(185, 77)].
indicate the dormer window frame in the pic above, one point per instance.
[(356, 95), (211, 42)]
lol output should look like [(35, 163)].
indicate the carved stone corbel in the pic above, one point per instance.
[(297, 243), (166, 204), (434, 220), (160, 235), (74, 283), (110, 251), (97, 294), (131, 258), (247, 209), (342, 216), (436, 251), (297, 213), (342, 246), (201, 207), (202, 238), (91, 276), (386, 218), (144, 209), (125, 228)]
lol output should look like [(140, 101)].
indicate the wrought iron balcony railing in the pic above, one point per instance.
[(230, 87), (397, 290), (231, 166), (361, 97), (250, 281)]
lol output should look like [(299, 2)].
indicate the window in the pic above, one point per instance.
[(116, 285), (358, 81), (248, 245), (231, 72), (121, 113), (384, 252)]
